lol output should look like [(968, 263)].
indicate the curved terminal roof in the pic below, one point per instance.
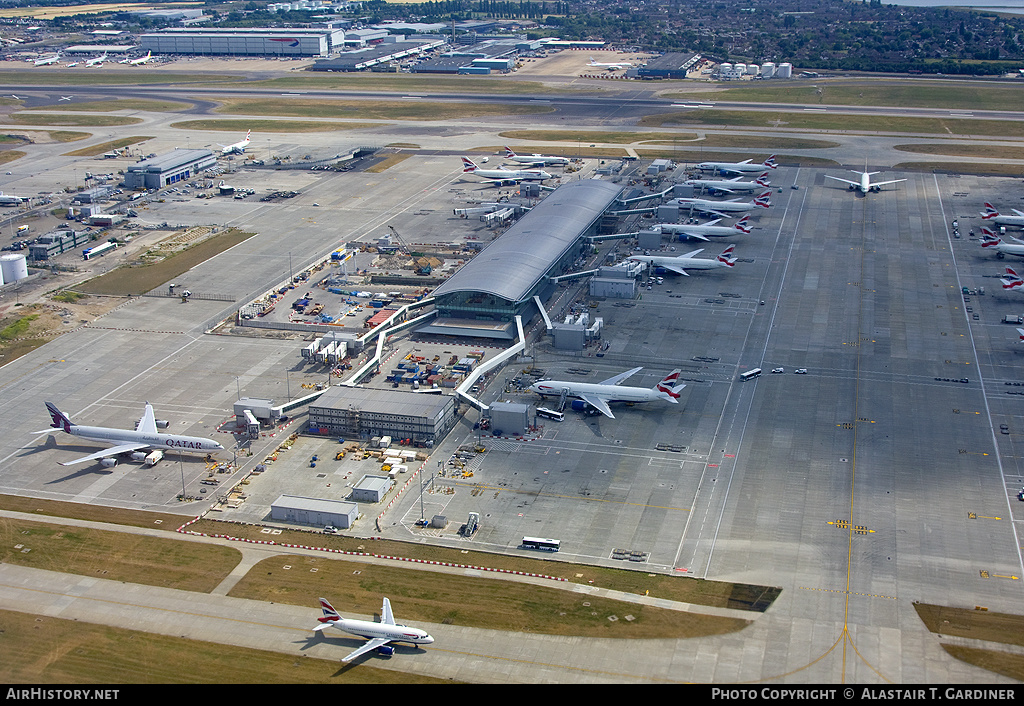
[(511, 265)]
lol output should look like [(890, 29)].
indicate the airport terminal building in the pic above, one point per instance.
[(483, 298), (170, 168)]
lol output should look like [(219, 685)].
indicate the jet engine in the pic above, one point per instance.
[(138, 456), (108, 462)]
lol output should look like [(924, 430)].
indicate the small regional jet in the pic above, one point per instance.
[(237, 147), (679, 264), (744, 167), (732, 185), (993, 216), (504, 176), (538, 160), (598, 395), (702, 230), (865, 185), (128, 441), (991, 241), (378, 634)]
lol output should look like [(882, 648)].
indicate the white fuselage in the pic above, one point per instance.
[(167, 442), (1004, 220), (735, 167), (717, 206), (686, 263), (540, 159), (47, 62), (610, 393), (1007, 248), (726, 184), (511, 174), (697, 230), (396, 633)]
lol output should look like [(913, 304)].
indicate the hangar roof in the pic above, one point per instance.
[(512, 264)]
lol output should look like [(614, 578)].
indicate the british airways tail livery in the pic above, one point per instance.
[(378, 634), (127, 441)]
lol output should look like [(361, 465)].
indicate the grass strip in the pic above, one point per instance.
[(129, 280), (45, 650), (258, 126), (105, 147), (376, 110), (468, 601), (118, 556)]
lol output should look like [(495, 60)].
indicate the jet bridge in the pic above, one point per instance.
[(543, 312), (493, 363)]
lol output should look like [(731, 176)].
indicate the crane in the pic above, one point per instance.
[(402, 247)]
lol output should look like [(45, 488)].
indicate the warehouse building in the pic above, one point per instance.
[(484, 297), (274, 42), (670, 65), (314, 511), (364, 413), (371, 489), (170, 168)]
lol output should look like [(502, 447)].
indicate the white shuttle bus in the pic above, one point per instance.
[(550, 414), (750, 374), (547, 545)]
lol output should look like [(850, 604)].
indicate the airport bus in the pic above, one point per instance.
[(547, 545), (750, 374), (550, 414)]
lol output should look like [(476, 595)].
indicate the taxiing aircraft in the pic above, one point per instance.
[(237, 147), (723, 208), (138, 62), (994, 243), (65, 98), (993, 216), (680, 263), (732, 185), (97, 61), (701, 231), (379, 634), (744, 167), (612, 65), (865, 185), (598, 395), (72, 65), (504, 176), (8, 200), (47, 61), (538, 160), (128, 441)]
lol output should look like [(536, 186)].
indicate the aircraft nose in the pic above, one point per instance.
[(427, 639)]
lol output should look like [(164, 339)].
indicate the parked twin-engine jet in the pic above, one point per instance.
[(237, 147), (612, 65), (9, 200), (993, 216), (745, 167), (599, 394), (379, 634), (680, 263), (732, 185), (137, 62), (701, 231), (722, 208), (48, 60), (97, 61), (145, 436), (539, 160), (990, 241), (865, 185), (504, 176)]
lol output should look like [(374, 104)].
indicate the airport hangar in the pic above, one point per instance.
[(167, 169)]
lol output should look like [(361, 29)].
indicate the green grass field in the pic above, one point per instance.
[(106, 106), (372, 110), (71, 120), (280, 126), (105, 147)]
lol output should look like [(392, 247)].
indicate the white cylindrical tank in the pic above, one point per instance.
[(768, 69), (739, 69), (13, 267), (752, 69), (785, 70), (725, 68)]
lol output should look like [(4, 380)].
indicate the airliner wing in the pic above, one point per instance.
[(599, 404), (883, 183), (386, 617), (676, 268), (1019, 213), (697, 236), (148, 422), (363, 649), (112, 451), (615, 380), (845, 181)]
